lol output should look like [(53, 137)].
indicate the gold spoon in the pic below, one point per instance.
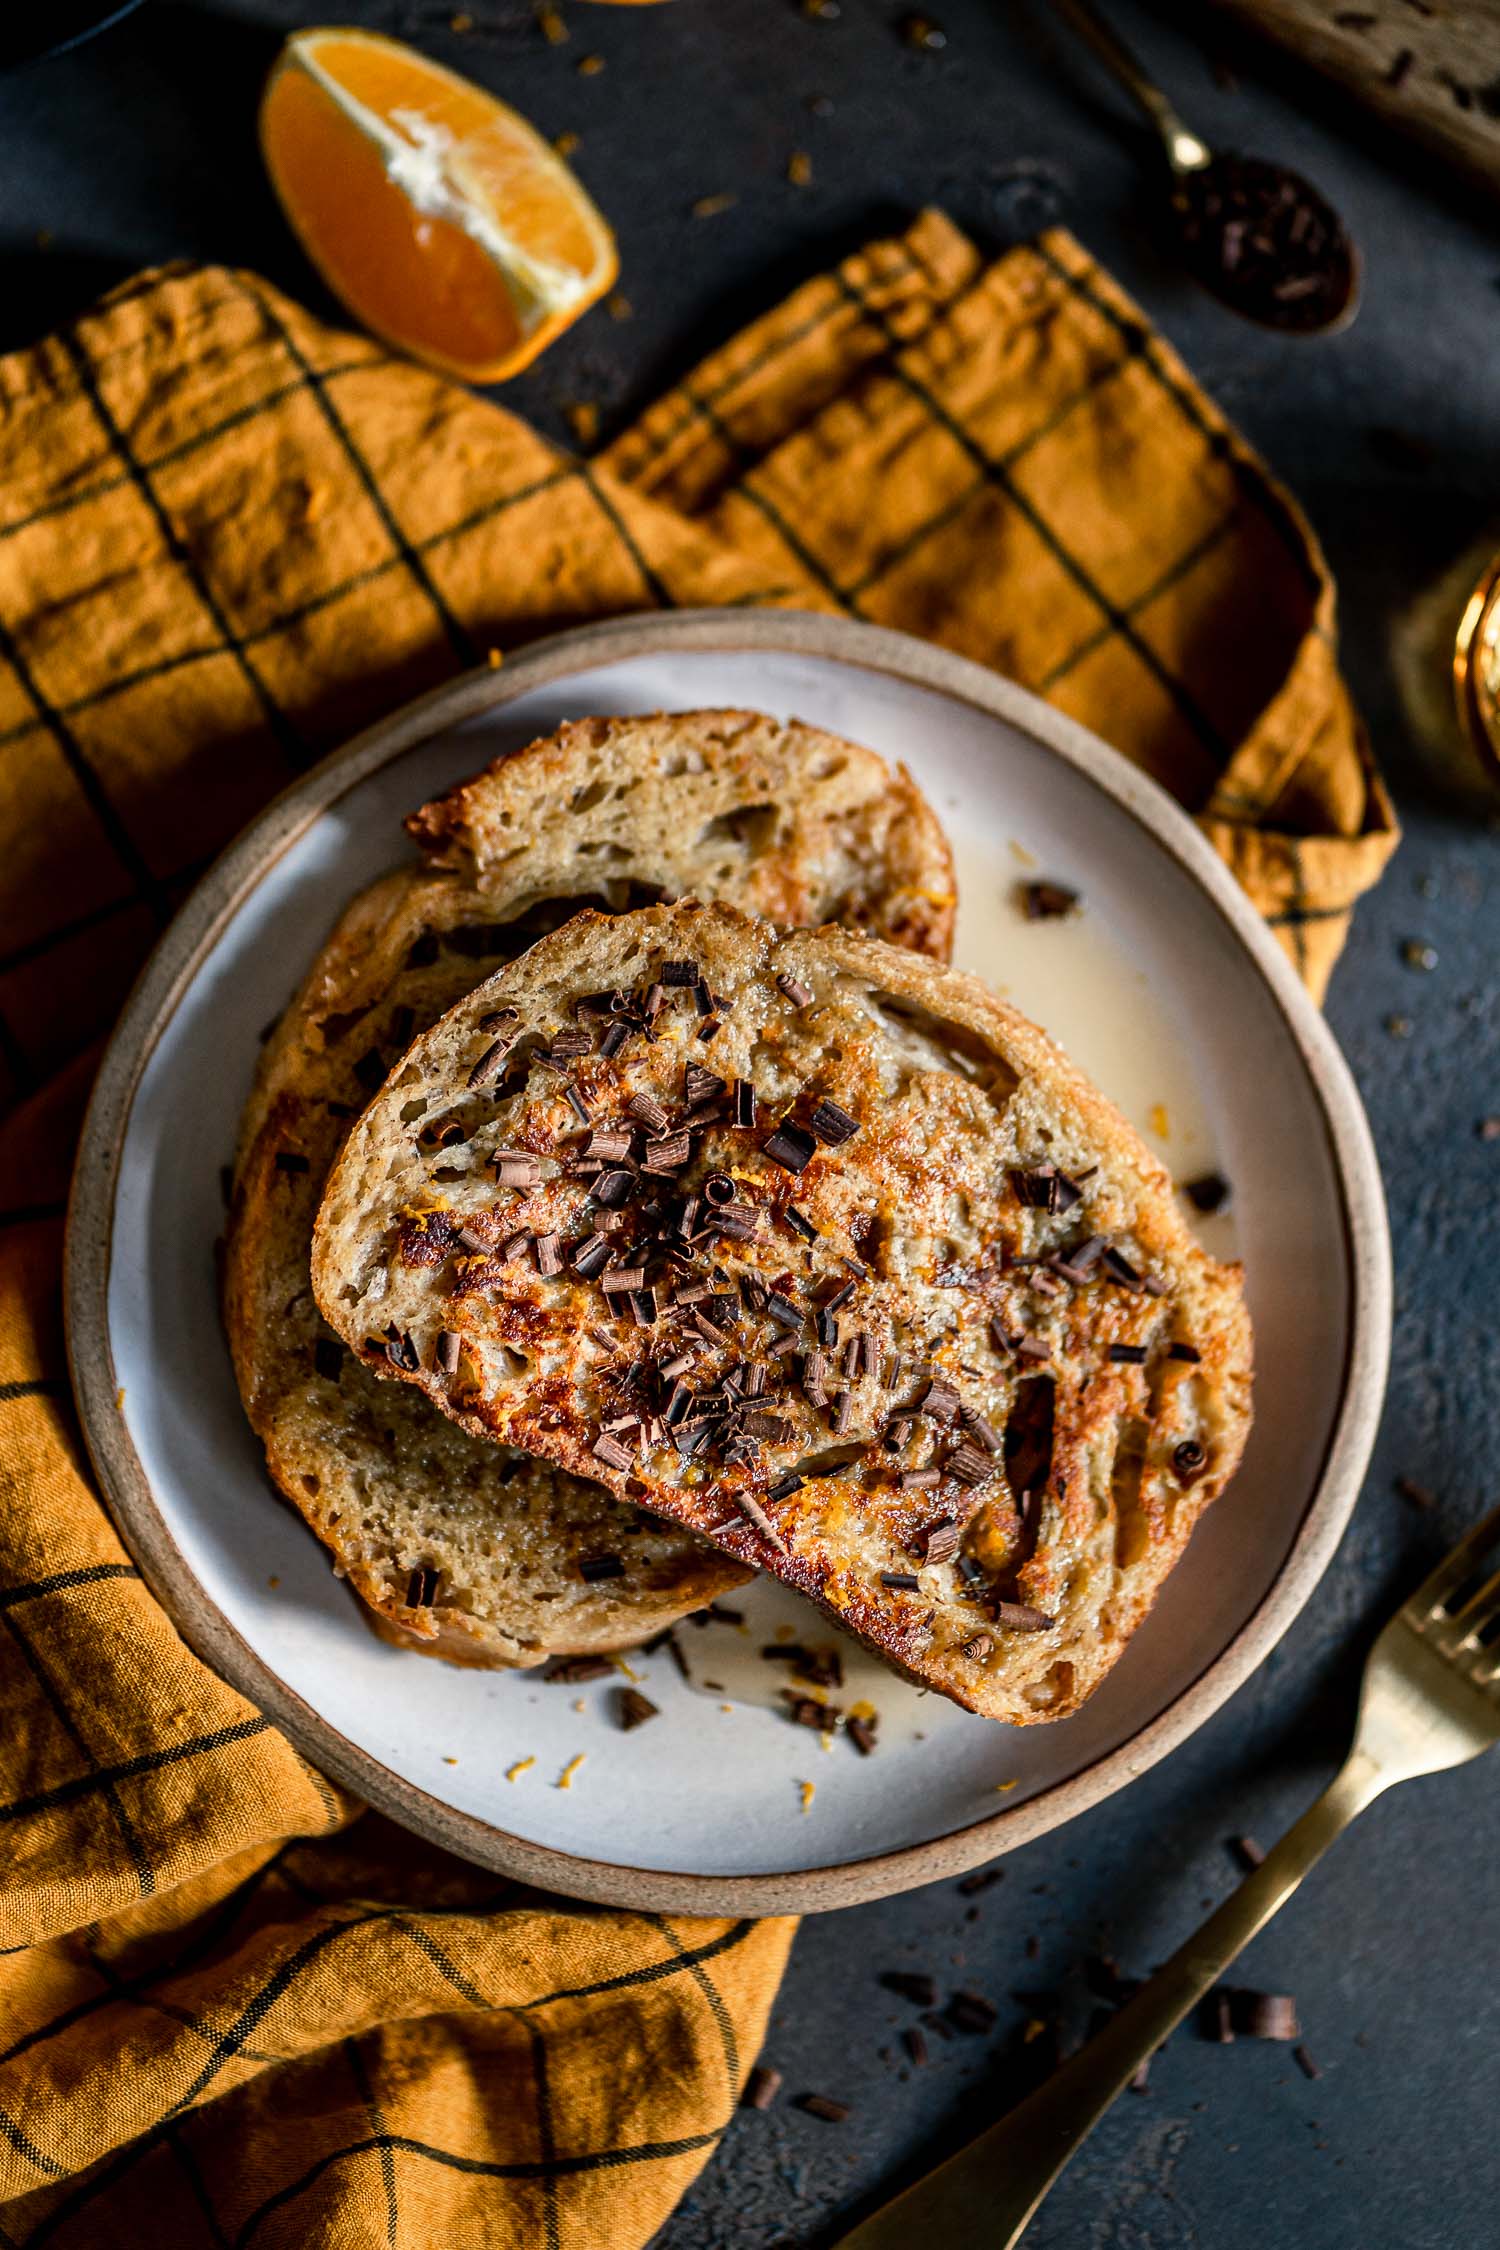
[(1258, 236)]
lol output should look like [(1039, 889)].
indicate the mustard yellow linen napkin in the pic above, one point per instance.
[(234, 2009)]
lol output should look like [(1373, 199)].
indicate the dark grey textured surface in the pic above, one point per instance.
[(140, 148)]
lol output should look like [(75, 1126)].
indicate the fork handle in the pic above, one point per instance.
[(988, 2192)]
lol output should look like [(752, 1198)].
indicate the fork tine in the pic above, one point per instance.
[(1480, 1607), (1454, 1568)]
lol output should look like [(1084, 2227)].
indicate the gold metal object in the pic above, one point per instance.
[(1431, 1699), (1476, 670)]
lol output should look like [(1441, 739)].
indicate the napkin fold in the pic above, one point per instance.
[(233, 2007)]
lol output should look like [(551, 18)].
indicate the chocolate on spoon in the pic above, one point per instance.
[(1257, 235)]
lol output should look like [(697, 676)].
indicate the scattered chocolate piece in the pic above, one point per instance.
[(984, 1433), (744, 1102), (971, 1467), (517, 1167), (1417, 1494), (1188, 1461), (1141, 2082), (796, 991), (594, 1569), (980, 1881), (487, 1066), (761, 2087), (751, 1509), (977, 1647), (914, 2040), (970, 2011), (833, 1125), (861, 1733), (822, 2105), (901, 1581), (591, 1255), (1267, 2015), (681, 972), (1020, 1617), (421, 1587), (1305, 2063), (940, 1402), (547, 1250), (941, 1542), (633, 1709), (1047, 902), (791, 1148), (1128, 1355), (913, 1985), (573, 1670), (1078, 1261), (650, 1112), (447, 1350), (1246, 1850), (1216, 2018), (1209, 1193), (920, 1480), (700, 1085), (807, 1711)]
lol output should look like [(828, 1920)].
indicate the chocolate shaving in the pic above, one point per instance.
[(614, 1188), (1189, 1461), (761, 2087), (782, 1311), (667, 1155), (800, 1223), (796, 991), (920, 1480), (940, 1402), (913, 1985), (970, 2011), (488, 1065), (1047, 902), (1078, 1261), (984, 1433), (744, 1102), (421, 1587), (977, 1647), (591, 1255), (572, 1671), (791, 1148), (901, 1581), (941, 1542), (517, 1167), (914, 2040), (751, 1509), (614, 1456), (861, 1733), (807, 1711), (700, 1085), (1266, 2015), (969, 1465), (547, 1250), (1020, 1617), (633, 1709), (833, 1125), (447, 1350), (650, 1112), (1128, 1355), (681, 973), (822, 2105)]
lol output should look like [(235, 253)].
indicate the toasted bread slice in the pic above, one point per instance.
[(851, 1271), (459, 1551), (777, 817)]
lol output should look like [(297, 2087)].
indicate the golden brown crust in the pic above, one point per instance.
[(1007, 1237), (390, 1487)]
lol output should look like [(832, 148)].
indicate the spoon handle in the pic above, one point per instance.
[(1185, 152)]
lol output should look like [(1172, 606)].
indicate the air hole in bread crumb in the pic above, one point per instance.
[(1132, 1532), (827, 768), (1028, 1436), (591, 794), (752, 827), (413, 1109), (675, 763)]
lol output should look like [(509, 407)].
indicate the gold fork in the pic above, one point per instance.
[(1430, 1699)]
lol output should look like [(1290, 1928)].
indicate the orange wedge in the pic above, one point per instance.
[(436, 214)]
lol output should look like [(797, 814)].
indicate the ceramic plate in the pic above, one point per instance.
[(1166, 989)]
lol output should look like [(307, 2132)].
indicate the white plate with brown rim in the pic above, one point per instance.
[(1166, 988)]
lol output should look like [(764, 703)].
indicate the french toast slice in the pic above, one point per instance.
[(461, 1551), (845, 1268)]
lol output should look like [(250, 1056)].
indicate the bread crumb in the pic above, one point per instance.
[(1002, 1788), (726, 1706), (120, 1400), (273, 1581), (709, 206), (462, 22), (565, 144), (799, 168), (554, 30), (579, 1704), (589, 66), (450, 1761), (1157, 1120), (620, 1665), (1033, 2030), (809, 1790), (619, 308), (494, 658), (565, 1778), (1019, 851), (583, 420), (522, 1765)]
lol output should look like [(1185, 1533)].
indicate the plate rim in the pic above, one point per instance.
[(196, 928)]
